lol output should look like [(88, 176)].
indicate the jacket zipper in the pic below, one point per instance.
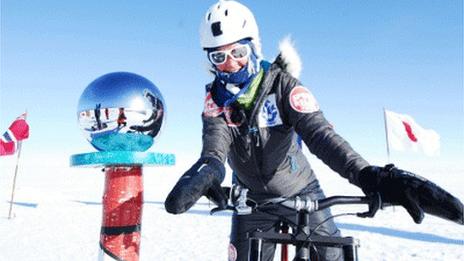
[(253, 130)]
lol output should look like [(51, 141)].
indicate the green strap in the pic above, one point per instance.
[(246, 100)]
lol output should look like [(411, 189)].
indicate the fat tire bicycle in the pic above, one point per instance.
[(302, 236)]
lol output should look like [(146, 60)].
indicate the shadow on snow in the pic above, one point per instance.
[(161, 203), (418, 236), (145, 202), (24, 204)]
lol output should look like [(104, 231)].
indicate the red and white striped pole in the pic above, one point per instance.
[(122, 198), (122, 213)]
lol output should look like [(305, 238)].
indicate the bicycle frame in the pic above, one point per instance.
[(301, 236), (303, 244)]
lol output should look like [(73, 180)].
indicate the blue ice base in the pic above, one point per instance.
[(106, 158)]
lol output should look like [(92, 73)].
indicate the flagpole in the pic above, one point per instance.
[(16, 173), (386, 137), (386, 134)]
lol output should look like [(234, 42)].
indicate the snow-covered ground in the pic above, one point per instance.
[(57, 216)]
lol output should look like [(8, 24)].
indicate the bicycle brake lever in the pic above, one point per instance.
[(240, 210), (217, 209), (374, 205)]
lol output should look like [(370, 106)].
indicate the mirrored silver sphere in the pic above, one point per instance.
[(121, 111)]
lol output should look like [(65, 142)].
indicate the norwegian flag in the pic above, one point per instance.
[(404, 134), (18, 131)]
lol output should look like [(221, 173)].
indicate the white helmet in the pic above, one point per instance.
[(227, 22)]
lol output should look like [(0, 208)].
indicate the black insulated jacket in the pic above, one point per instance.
[(262, 145)]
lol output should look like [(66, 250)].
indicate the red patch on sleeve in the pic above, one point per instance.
[(301, 100)]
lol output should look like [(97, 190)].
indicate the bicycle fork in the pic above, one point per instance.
[(302, 249), (284, 247), (255, 249)]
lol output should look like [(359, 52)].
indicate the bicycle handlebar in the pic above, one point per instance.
[(240, 206), (374, 202)]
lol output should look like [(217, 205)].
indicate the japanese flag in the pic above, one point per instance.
[(404, 134)]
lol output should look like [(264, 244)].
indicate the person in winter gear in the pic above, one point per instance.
[(255, 113), (97, 116), (121, 118), (152, 125)]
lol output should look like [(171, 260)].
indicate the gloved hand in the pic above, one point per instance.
[(203, 178), (415, 193)]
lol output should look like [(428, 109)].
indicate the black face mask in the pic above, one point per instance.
[(238, 116)]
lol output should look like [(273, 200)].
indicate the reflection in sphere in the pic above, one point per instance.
[(121, 111)]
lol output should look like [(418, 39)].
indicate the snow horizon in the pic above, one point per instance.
[(57, 216)]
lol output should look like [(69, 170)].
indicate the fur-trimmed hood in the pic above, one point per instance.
[(288, 58)]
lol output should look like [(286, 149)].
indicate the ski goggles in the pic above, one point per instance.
[(238, 52)]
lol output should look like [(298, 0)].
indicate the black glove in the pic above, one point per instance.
[(411, 191), (203, 178)]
